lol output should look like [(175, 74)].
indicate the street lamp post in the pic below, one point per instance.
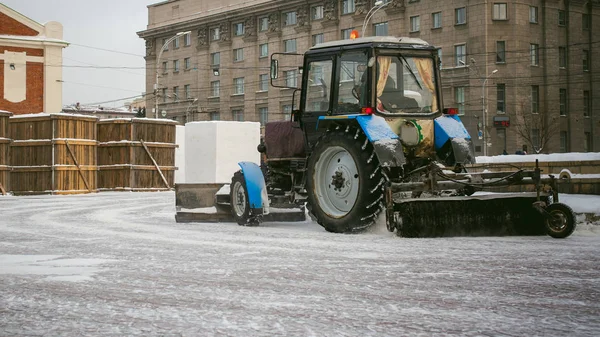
[(165, 45), (484, 131), (377, 6)]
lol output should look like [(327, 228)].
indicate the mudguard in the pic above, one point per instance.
[(386, 143), (450, 128), (256, 187)]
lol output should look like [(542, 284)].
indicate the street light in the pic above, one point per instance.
[(377, 6), (484, 132), (157, 69), (187, 116)]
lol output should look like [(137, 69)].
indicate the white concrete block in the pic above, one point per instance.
[(180, 154), (213, 149)]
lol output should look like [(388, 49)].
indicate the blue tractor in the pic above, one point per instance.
[(371, 136)]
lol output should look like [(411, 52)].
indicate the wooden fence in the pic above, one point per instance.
[(4, 152), (136, 154), (53, 154)]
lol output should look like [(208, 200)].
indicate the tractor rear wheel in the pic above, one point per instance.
[(344, 181)]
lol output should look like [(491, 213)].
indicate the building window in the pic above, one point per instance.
[(187, 91), (460, 15), (165, 67), (535, 99), (215, 116), (263, 115), (187, 39), (165, 45), (499, 11), (237, 115), (562, 18), (238, 54), (318, 38), (500, 52), (176, 43), (562, 57), (348, 6), (238, 29), (535, 139), (586, 60), (440, 57), (380, 29), (585, 21), (316, 12), (346, 33), (564, 145), (238, 86), (215, 87), (263, 24), (215, 59), (562, 102), (501, 98), (164, 95), (263, 50), (533, 14), (289, 46), (176, 66), (587, 142), (436, 20), (291, 78), (534, 53), (287, 112), (215, 34), (263, 82), (586, 104), (289, 18), (187, 63), (459, 96), (460, 55), (415, 23), (175, 94)]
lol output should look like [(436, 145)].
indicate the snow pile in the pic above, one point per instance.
[(553, 157)]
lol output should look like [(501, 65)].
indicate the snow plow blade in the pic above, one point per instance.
[(486, 215)]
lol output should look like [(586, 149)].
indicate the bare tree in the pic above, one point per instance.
[(536, 129)]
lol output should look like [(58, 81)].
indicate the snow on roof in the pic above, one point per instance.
[(373, 39), (45, 114), (39, 38), (553, 157)]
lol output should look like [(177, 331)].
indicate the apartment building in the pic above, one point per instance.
[(521, 73)]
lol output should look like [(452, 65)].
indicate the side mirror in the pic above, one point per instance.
[(274, 69)]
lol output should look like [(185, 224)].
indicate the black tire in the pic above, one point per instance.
[(564, 223), (240, 206), (358, 212)]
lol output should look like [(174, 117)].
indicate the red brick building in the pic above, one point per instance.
[(30, 64)]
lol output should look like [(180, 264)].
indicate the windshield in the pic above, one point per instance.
[(406, 85)]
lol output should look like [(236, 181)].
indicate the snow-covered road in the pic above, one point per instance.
[(114, 264)]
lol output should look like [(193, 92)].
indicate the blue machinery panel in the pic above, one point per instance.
[(375, 127), (448, 127), (255, 185)]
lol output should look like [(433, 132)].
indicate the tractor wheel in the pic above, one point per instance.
[(344, 181), (563, 222), (240, 206)]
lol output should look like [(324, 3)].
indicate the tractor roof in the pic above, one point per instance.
[(400, 41)]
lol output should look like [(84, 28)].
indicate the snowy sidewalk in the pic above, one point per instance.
[(114, 264)]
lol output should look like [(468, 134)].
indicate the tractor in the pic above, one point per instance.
[(371, 136)]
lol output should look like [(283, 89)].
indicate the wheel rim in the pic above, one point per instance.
[(336, 181), (239, 199), (558, 222)]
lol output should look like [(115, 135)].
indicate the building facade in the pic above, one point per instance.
[(521, 73), (30, 64)]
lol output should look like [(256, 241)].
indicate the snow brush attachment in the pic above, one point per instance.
[(459, 213)]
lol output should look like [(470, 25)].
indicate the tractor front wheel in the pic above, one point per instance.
[(240, 206), (344, 181)]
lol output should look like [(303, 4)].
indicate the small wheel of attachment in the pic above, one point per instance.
[(562, 223)]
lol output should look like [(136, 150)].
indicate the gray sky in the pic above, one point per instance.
[(104, 24)]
